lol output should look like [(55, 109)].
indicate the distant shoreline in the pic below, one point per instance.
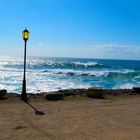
[(64, 57)]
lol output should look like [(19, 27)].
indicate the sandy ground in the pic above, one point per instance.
[(75, 118)]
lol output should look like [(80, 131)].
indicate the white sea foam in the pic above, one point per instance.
[(87, 64), (53, 85), (137, 77), (124, 86)]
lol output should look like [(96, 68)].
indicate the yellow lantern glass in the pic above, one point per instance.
[(25, 34)]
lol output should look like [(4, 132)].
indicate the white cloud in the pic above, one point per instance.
[(116, 51)]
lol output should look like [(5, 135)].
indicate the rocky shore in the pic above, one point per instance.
[(95, 92)]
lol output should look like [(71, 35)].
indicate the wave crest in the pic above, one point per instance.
[(31, 64), (95, 73)]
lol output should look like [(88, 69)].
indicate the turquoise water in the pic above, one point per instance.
[(52, 74)]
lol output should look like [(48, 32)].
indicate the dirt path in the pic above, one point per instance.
[(75, 118)]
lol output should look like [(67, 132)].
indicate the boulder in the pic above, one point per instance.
[(136, 90), (54, 96), (73, 92), (67, 92), (12, 94), (95, 93), (118, 92), (2, 93)]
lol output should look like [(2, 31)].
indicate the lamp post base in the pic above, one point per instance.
[(25, 99), (24, 94)]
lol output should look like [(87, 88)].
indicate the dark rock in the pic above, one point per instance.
[(42, 94), (72, 92), (11, 94), (54, 96), (37, 95), (3, 93), (117, 92), (68, 92), (136, 90), (95, 93)]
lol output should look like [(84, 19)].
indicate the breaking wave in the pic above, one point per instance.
[(97, 73)]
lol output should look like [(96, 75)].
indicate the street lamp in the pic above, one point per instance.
[(25, 35)]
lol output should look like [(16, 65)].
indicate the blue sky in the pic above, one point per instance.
[(71, 28)]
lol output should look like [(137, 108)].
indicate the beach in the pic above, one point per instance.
[(74, 118)]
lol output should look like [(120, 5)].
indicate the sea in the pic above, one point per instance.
[(44, 74)]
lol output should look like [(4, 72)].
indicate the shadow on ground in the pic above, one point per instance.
[(37, 112)]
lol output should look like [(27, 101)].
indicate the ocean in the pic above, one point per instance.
[(52, 74)]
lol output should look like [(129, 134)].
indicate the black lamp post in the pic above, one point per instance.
[(25, 35)]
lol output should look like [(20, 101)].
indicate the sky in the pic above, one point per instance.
[(106, 29)]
